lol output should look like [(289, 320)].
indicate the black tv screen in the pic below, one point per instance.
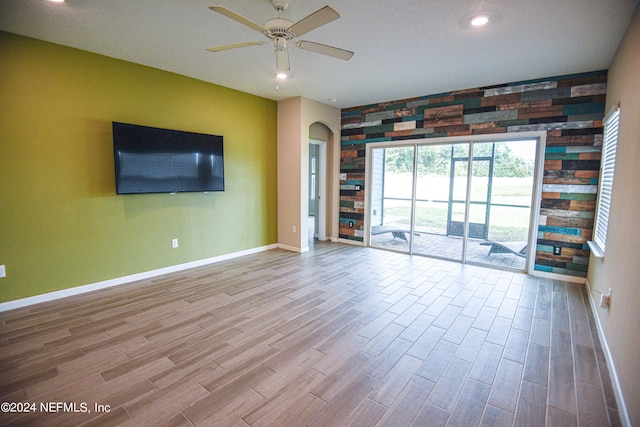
[(155, 160)]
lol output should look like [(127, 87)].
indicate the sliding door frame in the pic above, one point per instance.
[(538, 173)]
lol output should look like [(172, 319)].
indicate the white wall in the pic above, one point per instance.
[(620, 269)]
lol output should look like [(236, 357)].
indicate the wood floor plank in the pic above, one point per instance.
[(532, 405), (376, 326), (432, 416), (163, 403), (591, 408), (338, 409), (410, 314), (536, 367), (302, 408), (473, 307), (470, 347), (562, 389), (223, 396), (484, 318), (471, 403), (447, 316), (280, 394), (244, 403), (506, 386), (436, 363), (408, 405), (378, 343), (458, 329), (427, 342), (516, 346), (543, 301), (496, 417), (389, 387), (413, 331), (341, 377), (486, 364), (559, 418), (540, 332), (523, 318), (448, 388), (581, 333), (586, 366), (337, 352), (508, 308), (367, 414)]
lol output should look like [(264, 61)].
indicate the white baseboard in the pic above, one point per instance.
[(77, 290), (615, 381), (351, 242), (556, 276), (293, 248)]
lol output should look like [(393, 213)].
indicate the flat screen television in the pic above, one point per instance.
[(155, 160)]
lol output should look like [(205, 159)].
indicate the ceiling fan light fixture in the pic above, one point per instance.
[(279, 44), (479, 20), (282, 55)]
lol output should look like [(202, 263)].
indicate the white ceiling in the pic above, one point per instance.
[(403, 48)]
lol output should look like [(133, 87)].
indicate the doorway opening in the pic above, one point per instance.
[(471, 201), (317, 190)]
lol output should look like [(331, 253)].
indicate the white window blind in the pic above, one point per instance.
[(607, 171)]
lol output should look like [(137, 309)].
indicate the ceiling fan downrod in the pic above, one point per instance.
[(280, 5)]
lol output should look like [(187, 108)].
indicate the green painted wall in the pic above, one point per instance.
[(61, 223)]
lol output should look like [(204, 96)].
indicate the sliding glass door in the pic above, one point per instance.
[(463, 201), (441, 190), (501, 198), (391, 197)]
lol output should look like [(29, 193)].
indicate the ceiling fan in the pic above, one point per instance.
[(280, 30)]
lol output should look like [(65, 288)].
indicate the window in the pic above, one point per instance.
[(607, 169)]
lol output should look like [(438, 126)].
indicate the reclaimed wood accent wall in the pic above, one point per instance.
[(569, 108)]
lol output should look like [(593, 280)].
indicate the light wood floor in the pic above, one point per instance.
[(340, 335)]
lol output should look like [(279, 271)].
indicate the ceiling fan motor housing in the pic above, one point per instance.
[(279, 28)]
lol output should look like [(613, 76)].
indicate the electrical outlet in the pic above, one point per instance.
[(294, 229), (174, 243), (605, 299), (3, 271), (350, 224), (557, 250)]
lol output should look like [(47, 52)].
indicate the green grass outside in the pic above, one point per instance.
[(506, 224)]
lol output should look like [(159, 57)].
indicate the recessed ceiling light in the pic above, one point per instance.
[(56, 1), (479, 20)]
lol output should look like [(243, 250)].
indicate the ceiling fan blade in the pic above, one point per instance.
[(325, 50), (239, 18), (234, 46), (282, 60), (315, 20)]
